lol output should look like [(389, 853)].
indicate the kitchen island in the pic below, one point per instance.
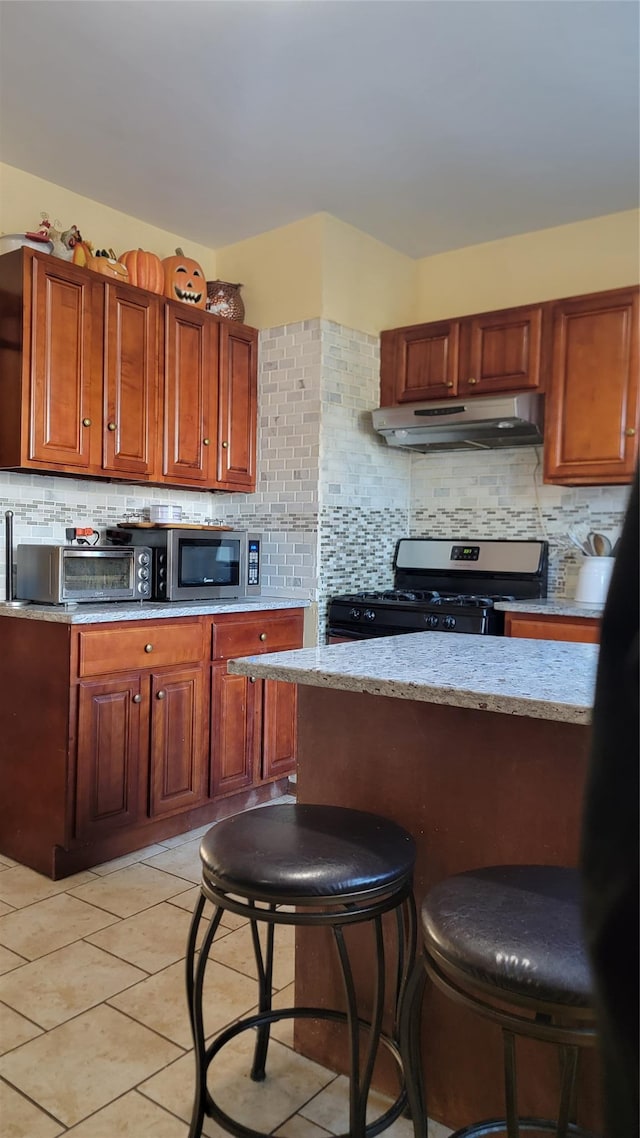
[(478, 746)]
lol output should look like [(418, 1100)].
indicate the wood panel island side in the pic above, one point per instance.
[(478, 746)]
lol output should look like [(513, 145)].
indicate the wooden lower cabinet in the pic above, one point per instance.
[(580, 629), (120, 734)]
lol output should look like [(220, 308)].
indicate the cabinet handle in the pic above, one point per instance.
[(86, 422), (137, 699), (205, 442), (161, 694), (449, 384), (252, 679), (471, 382), (263, 636), (224, 446), (148, 647), (112, 427), (630, 432)]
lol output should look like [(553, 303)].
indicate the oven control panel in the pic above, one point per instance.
[(465, 552)]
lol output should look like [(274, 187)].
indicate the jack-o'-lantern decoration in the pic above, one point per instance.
[(108, 266), (145, 270), (184, 280), (82, 253)]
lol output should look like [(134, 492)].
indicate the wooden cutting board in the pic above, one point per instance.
[(168, 525)]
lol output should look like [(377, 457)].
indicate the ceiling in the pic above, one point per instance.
[(429, 124)]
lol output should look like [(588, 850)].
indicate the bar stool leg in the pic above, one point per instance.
[(569, 1057), (195, 983), (410, 1048), (510, 1083), (265, 978)]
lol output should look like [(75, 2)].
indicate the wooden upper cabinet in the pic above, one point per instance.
[(238, 408), (190, 396), (477, 355), (131, 374), (591, 422), (63, 413), (501, 351), (419, 363)]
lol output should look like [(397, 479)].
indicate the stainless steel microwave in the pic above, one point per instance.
[(200, 565), (67, 574)]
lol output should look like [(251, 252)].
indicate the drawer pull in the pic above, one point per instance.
[(148, 647), (630, 432), (137, 699), (471, 382), (161, 694), (112, 426), (263, 636), (86, 422), (225, 445), (252, 679), (205, 442)]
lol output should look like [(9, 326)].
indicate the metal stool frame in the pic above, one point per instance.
[(569, 1028), (337, 912)]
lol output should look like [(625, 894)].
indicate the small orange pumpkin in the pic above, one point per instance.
[(145, 270), (109, 267), (82, 253), (184, 280)]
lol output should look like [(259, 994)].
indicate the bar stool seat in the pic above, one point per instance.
[(328, 866), (507, 934)]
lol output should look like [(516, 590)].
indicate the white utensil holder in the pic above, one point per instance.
[(593, 580)]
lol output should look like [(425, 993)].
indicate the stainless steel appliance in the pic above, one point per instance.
[(444, 585), (496, 422), (200, 565), (67, 574)]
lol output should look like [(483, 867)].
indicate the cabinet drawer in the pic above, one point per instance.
[(154, 645), (582, 630), (259, 633)]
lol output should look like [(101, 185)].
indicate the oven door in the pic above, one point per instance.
[(342, 635)]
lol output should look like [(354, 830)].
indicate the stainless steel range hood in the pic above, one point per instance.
[(493, 423)]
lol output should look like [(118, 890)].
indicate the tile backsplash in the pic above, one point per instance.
[(332, 498)]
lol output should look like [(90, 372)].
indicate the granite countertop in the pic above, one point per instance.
[(553, 606), (540, 679), (145, 610)]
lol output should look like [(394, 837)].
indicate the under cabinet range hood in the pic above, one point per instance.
[(492, 423)]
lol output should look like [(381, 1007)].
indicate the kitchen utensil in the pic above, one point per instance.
[(8, 565), (600, 544), (614, 551), (593, 580), (581, 545)]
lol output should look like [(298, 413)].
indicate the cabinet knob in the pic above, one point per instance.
[(112, 427), (225, 445), (148, 647), (161, 694), (630, 432), (86, 422), (137, 699), (449, 383), (205, 442), (471, 382), (263, 636), (252, 679)]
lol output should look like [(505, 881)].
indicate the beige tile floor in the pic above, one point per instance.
[(94, 1036)]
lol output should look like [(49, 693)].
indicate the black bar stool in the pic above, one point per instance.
[(506, 933), (330, 867)]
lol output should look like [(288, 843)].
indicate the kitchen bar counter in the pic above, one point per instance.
[(478, 746), (538, 679), (145, 610), (552, 606)]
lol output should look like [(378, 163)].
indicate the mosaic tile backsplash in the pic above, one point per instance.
[(332, 498)]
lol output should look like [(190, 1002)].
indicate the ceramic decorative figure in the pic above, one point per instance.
[(223, 299), (184, 280), (63, 241), (145, 270)]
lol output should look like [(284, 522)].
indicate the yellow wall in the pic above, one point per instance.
[(23, 197), (366, 285), (587, 256), (280, 271)]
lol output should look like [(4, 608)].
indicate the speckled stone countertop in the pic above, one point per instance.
[(540, 679), (553, 606), (145, 610)]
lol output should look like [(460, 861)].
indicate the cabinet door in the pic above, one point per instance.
[(238, 413), (279, 729), (110, 763), (190, 395), (179, 741), (501, 351), (235, 731), (423, 362), (131, 381), (592, 408), (65, 392)]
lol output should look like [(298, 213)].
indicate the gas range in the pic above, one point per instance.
[(444, 585)]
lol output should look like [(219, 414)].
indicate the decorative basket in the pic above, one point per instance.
[(223, 299)]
